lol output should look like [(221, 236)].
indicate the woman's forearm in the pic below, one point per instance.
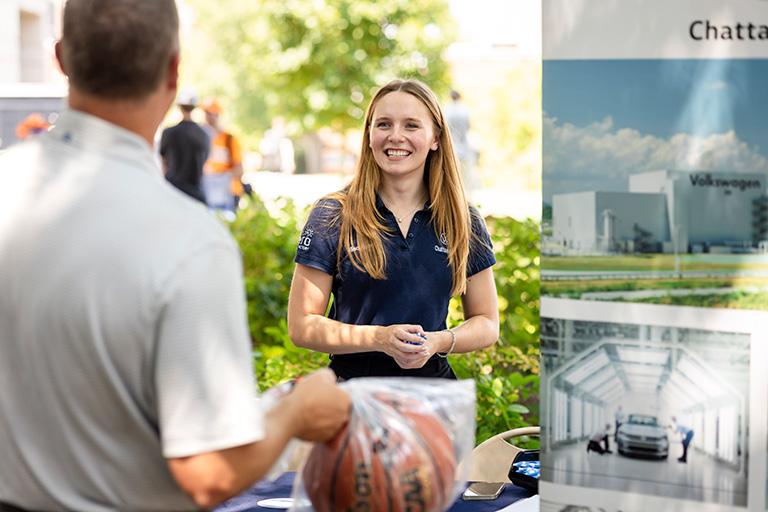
[(323, 334), (475, 333)]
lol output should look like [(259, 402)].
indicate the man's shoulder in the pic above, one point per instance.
[(170, 131), (181, 126), (186, 222), (18, 149), (18, 158), (193, 127)]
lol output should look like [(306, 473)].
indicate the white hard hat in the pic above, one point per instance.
[(187, 96)]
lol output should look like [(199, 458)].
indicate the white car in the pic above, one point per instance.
[(641, 435)]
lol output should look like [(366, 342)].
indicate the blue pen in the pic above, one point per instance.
[(420, 335)]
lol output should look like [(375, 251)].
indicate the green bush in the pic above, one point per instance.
[(507, 374), (267, 240)]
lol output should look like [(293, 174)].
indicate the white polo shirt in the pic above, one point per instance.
[(123, 328)]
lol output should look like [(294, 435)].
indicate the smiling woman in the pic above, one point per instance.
[(392, 248), (401, 137)]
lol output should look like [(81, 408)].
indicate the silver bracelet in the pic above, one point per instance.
[(452, 344)]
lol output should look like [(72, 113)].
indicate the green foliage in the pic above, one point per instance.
[(268, 243), (284, 361), (507, 374), (510, 125), (316, 62), (517, 280)]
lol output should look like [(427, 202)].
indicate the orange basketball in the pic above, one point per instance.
[(432, 434), (384, 459), (439, 447)]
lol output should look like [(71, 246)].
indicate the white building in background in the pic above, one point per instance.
[(30, 80), (665, 211)]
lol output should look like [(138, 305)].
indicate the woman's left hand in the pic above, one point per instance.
[(417, 359)]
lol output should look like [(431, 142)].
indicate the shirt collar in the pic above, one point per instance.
[(92, 134), (383, 208)]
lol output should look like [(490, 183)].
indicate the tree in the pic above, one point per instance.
[(317, 62)]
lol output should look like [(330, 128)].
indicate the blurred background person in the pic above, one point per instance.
[(223, 170), (276, 149), (31, 125), (457, 115), (184, 149)]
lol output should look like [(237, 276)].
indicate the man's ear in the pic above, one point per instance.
[(172, 80), (58, 51)]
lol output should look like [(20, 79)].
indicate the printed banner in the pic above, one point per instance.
[(654, 309)]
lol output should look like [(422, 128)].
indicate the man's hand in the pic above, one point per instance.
[(321, 406)]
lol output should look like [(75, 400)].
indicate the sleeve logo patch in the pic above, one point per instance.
[(306, 239)]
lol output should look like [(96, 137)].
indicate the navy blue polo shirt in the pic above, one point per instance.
[(418, 285)]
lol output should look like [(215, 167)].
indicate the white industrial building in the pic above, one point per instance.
[(665, 211)]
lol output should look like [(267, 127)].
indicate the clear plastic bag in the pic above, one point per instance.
[(407, 447), (269, 399)]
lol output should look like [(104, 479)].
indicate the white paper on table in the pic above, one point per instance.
[(527, 505)]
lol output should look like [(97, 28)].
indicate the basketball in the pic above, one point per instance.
[(432, 435), (388, 457)]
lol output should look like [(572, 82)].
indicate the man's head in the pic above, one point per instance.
[(187, 99), (212, 108), (118, 49)]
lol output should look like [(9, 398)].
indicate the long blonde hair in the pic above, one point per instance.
[(361, 224)]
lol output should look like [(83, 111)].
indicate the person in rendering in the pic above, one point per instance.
[(126, 368), (184, 149), (619, 416), (224, 169), (601, 436), (686, 433), (392, 247)]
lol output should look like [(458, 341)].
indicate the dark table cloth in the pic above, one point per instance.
[(281, 488)]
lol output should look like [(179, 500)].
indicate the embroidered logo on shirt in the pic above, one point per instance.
[(306, 238), (444, 241)]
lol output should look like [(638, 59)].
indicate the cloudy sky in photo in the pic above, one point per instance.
[(605, 120)]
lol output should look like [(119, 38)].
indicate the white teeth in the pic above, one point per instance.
[(395, 153)]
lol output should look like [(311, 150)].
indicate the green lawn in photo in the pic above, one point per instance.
[(649, 262), (751, 290)]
